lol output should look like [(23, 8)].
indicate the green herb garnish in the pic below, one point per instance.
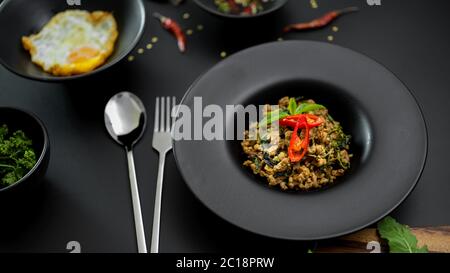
[(16, 156), (239, 7), (224, 7), (292, 109), (399, 237), (308, 107), (273, 116)]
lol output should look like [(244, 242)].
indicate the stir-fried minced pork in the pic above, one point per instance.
[(327, 157)]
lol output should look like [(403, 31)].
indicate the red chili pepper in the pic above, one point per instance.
[(295, 145), (291, 121), (305, 144), (174, 28), (320, 22), (288, 122), (233, 6), (249, 10), (297, 150)]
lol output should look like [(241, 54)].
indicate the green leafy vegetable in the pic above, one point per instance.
[(16, 156), (240, 7), (399, 237), (224, 7), (273, 116), (308, 107), (292, 107)]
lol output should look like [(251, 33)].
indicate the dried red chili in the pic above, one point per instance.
[(319, 22), (174, 28)]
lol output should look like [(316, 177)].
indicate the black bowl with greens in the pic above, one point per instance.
[(24, 150), (240, 8)]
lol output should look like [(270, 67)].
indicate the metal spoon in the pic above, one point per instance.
[(125, 120)]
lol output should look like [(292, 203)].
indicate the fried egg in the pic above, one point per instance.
[(73, 42)]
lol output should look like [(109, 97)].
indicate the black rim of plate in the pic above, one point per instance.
[(103, 67), (270, 225)]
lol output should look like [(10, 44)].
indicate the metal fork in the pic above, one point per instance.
[(162, 142)]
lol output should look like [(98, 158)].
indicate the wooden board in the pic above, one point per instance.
[(436, 238)]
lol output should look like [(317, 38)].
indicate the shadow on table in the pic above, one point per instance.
[(19, 211)]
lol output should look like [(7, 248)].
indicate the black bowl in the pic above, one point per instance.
[(210, 7), (389, 140), (34, 129), (22, 17)]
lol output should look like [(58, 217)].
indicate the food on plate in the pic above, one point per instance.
[(17, 156), (73, 42), (307, 150), (241, 7)]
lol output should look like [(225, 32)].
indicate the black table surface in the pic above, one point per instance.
[(86, 196)]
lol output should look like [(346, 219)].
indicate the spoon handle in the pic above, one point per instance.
[(157, 212), (138, 223)]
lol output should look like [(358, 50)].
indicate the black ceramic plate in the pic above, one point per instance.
[(211, 7), (374, 106), (22, 17)]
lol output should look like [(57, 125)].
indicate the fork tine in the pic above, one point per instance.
[(156, 123), (168, 114), (161, 125)]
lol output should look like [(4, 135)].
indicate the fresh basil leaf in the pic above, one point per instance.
[(308, 107), (399, 237), (272, 117), (292, 106)]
